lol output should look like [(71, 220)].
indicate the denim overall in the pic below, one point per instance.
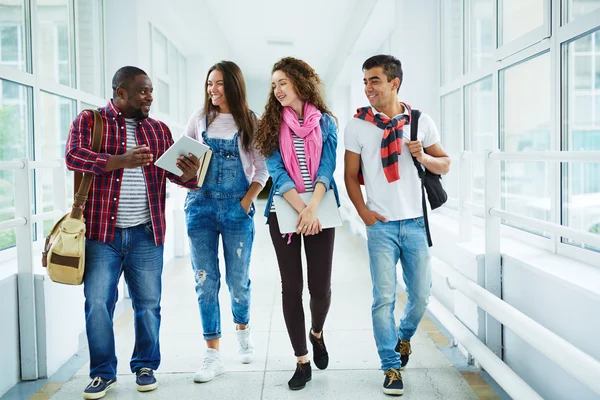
[(215, 209)]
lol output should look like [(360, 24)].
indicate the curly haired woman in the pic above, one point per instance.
[(298, 136)]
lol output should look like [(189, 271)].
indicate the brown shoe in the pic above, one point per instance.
[(403, 347)]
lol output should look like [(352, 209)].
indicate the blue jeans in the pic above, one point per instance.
[(388, 242), (207, 218), (133, 253), (212, 210)]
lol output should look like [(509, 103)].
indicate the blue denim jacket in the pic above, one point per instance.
[(281, 178)]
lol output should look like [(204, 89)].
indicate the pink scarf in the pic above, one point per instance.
[(310, 131)]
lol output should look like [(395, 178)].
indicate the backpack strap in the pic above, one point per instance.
[(84, 181), (414, 127)]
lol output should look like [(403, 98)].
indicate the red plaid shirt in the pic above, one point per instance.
[(101, 208)]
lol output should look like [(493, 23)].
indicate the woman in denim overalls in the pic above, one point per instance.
[(223, 205)]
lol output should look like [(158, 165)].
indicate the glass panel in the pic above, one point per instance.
[(581, 181), (90, 46), (452, 140), (480, 26), (14, 134), (55, 48), (13, 49), (526, 104), (583, 71), (159, 53), (183, 113), (57, 114), (520, 17), (480, 130), (451, 40), (597, 71), (582, 114), (174, 80), (576, 8), (163, 97)]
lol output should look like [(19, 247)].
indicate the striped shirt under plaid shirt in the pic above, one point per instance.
[(102, 205)]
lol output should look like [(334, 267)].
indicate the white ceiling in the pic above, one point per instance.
[(323, 33)]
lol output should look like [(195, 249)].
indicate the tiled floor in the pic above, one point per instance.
[(353, 371)]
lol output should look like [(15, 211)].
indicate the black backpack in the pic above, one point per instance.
[(429, 181)]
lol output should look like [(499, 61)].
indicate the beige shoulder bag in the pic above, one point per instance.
[(64, 250)]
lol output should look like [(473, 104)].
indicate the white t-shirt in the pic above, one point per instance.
[(397, 200), (224, 127)]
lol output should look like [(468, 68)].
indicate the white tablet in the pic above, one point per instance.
[(328, 212), (182, 147)]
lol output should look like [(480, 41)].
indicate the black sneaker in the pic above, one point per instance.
[(320, 355), (98, 388), (302, 375), (392, 384), (145, 380), (403, 347)]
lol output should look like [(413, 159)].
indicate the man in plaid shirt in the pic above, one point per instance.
[(125, 224)]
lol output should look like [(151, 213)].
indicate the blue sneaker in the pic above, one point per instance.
[(98, 388), (145, 380), (392, 383)]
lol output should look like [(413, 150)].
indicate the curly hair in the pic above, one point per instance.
[(307, 84)]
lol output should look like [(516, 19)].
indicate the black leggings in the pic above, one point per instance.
[(319, 254)]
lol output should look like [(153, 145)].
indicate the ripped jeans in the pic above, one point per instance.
[(206, 219)]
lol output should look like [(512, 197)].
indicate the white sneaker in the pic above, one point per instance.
[(246, 345), (211, 367)]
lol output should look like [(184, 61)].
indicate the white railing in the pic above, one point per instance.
[(579, 364), (23, 224)]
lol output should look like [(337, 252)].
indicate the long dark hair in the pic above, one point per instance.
[(307, 84), (235, 93)]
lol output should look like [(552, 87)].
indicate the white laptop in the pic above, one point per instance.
[(182, 147), (328, 212)]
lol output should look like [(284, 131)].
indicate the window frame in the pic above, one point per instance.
[(31, 79), (551, 37)]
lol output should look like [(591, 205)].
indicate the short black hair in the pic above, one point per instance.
[(392, 67), (124, 76)]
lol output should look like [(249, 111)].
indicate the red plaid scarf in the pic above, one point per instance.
[(391, 143)]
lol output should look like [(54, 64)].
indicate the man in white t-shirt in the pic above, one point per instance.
[(379, 151)]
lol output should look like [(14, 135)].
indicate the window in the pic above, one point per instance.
[(510, 78), (576, 8), (13, 50), (55, 49), (480, 130), (183, 113), (55, 44), (159, 52), (90, 49), (525, 114), (169, 70), (581, 181), (480, 26), (174, 78), (520, 17), (14, 143), (451, 40), (163, 96), (452, 137)]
